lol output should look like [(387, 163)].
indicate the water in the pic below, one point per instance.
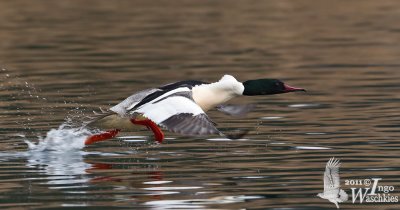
[(63, 60)]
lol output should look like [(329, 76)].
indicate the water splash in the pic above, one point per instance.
[(64, 138)]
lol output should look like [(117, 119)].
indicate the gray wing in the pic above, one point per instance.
[(331, 176), (189, 124), (121, 109), (131, 101), (235, 110)]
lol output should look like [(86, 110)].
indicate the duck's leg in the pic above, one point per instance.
[(158, 134), (102, 136)]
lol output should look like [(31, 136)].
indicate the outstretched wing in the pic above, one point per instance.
[(189, 124), (163, 90), (178, 113), (331, 177), (142, 97), (120, 109), (123, 107)]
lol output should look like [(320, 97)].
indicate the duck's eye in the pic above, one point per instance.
[(277, 84)]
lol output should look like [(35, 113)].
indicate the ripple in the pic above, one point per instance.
[(173, 188), (157, 182), (304, 105), (199, 203), (349, 114), (74, 204), (163, 193), (311, 148), (250, 177), (219, 139), (271, 118), (134, 140), (131, 137), (316, 133)]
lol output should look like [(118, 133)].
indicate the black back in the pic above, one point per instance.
[(166, 88), (187, 83)]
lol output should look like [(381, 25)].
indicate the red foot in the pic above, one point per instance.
[(158, 134), (102, 136)]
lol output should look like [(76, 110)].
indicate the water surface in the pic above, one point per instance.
[(64, 59)]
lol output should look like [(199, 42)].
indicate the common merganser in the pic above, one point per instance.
[(180, 107)]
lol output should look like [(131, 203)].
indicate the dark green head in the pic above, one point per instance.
[(267, 87)]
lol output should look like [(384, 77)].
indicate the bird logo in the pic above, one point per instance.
[(332, 191)]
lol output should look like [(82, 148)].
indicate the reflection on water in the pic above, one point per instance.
[(61, 60), (198, 203), (57, 169), (58, 163)]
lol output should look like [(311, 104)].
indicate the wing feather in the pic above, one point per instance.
[(331, 176), (179, 114), (188, 124), (123, 107)]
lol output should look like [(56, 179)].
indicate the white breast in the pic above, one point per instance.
[(208, 96)]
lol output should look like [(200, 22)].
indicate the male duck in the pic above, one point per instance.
[(180, 107)]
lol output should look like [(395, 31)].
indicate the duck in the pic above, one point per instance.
[(181, 107)]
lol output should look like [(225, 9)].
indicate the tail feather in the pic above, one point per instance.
[(337, 205), (107, 119)]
